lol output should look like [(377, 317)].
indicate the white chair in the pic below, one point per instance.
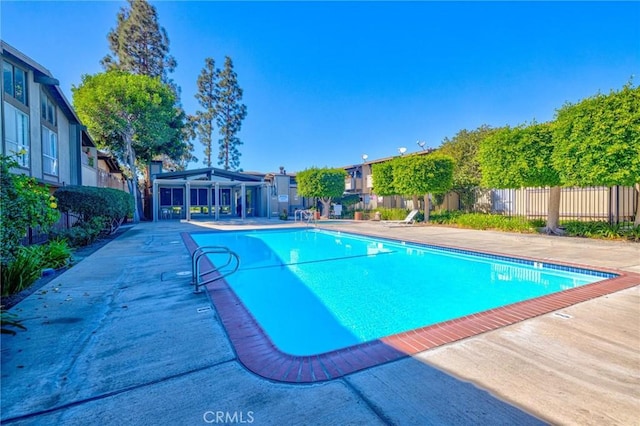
[(409, 220)]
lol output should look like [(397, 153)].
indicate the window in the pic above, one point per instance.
[(171, 196), (16, 135), (7, 76), (49, 152), (198, 197), (165, 196), (15, 82), (177, 197), (47, 109)]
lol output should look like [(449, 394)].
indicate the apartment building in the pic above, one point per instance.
[(40, 127)]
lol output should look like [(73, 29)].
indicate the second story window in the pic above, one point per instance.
[(16, 134), (15, 82), (47, 109), (49, 152)]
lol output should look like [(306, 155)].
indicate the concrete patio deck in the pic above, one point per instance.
[(121, 339)]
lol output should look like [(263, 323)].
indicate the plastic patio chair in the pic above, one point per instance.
[(409, 220)]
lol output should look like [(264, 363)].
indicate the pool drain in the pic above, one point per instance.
[(561, 315), (204, 309)]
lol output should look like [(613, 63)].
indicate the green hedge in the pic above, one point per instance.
[(88, 202)]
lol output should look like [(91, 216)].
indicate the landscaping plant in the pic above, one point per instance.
[(56, 254), (82, 233), (8, 319), (25, 204), (23, 270)]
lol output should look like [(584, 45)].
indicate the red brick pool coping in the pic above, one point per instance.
[(257, 353)]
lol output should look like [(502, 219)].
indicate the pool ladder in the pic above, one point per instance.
[(201, 252), (305, 215)]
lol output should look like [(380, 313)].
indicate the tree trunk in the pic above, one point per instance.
[(414, 200), (326, 207), (553, 213), (146, 205), (427, 208), (134, 174), (637, 221)]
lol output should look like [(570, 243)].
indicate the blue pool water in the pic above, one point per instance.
[(313, 291)]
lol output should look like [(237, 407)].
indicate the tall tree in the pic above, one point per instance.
[(325, 184), (138, 44), (422, 175), (599, 141), (127, 114), (229, 115), (463, 148), (521, 156), (207, 96), (383, 178)]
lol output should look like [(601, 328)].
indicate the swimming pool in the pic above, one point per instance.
[(317, 291)]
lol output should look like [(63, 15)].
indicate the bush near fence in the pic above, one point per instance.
[(616, 204), (96, 210)]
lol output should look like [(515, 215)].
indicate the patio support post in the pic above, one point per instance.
[(269, 189), (243, 200), (217, 201), (154, 206), (210, 195), (187, 200)]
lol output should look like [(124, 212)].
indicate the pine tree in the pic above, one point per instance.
[(229, 115), (203, 121), (138, 43)]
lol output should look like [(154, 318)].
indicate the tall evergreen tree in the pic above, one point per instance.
[(229, 115), (204, 120), (138, 44)]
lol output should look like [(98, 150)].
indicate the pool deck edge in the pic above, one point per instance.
[(259, 355)]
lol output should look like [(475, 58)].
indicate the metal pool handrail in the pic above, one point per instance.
[(199, 253), (304, 214)]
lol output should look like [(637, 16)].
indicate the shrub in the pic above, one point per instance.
[(82, 233), (87, 203), (392, 214), (25, 204), (494, 221), (601, 229), (23, 270), (445, 217), (632, 233), (56, 254)]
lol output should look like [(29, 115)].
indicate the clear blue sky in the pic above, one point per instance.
[(325, 82)]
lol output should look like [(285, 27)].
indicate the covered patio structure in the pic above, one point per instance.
[(210, 192)]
